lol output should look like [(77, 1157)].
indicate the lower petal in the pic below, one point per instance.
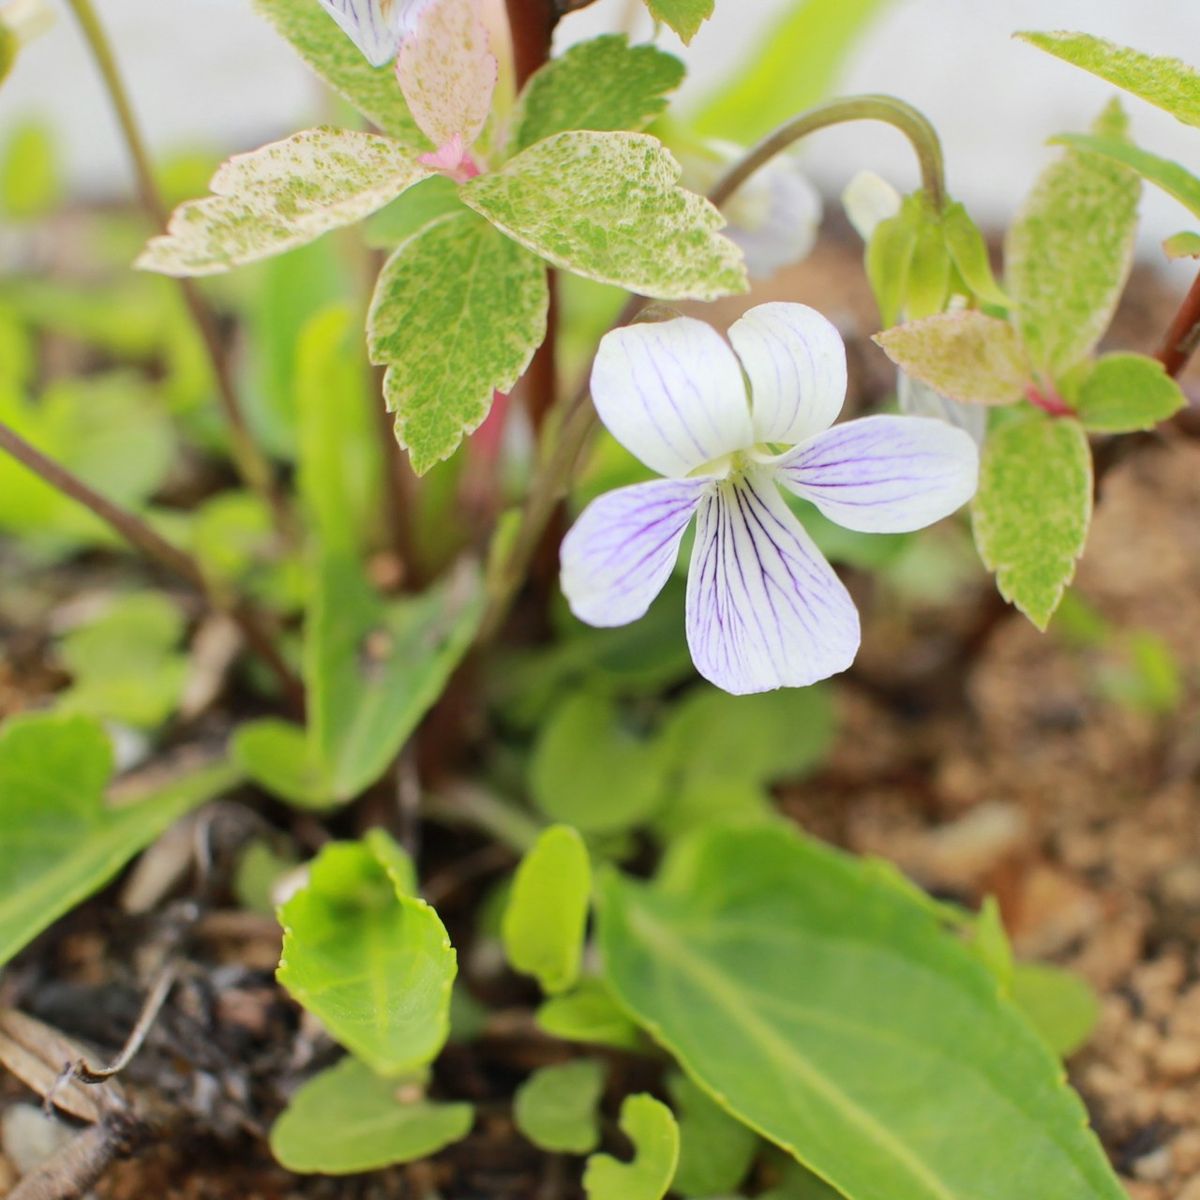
[(764, 608), (619, 554), (884, 474)]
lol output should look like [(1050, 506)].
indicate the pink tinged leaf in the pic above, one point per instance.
[(672, 394), (884, 474), (447, 73), (619, 554), (764, 608), (796, 363)]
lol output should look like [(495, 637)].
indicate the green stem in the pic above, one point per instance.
[(913, 124), (252, 464)]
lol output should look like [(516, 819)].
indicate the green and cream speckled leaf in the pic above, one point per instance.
[(458, 312), (683, 16), (281, 196), (608, 206)]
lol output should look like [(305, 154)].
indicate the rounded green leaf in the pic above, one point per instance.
[(546, 918), (589, 1014), (555, 1108), (715, 1149), (347, 1119), (1126, 392), (1058, 1004), (651, 1128)]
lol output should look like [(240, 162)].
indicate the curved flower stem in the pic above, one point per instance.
[(144, 537), (574, 418), (913, 124), (252, 464)]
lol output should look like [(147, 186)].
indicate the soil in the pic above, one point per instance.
[(1015, 773)]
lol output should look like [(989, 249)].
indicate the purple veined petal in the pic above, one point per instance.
[(779, 226), (672, 393), (618, 556), (796, 363), (918, 399), (376, 27), (764, 608), (884, 474)]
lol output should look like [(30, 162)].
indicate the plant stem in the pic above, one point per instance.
[(532, 25), (251, 463), (1183, 336), (153, 545), (913, 124)]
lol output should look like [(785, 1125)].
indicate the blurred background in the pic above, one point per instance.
[(211, 75)]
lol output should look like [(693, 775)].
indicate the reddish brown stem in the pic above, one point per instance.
[(153, 545), (1184, 334), (532, 25)]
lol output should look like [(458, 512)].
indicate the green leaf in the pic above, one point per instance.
[(967, 356), (62, 841), (555, 1108), (969, 252), (124, 664), (796, 64), (335, 58), (1124, 392), (1057, 1003), (458, 312), (834, 1061), (1067, 256), (1175, 180), (1166, 82), (30, 173), (546, 917), (411, 211), (372, 963), (683, 16), (655, 1137), (589, 1014), (283, 195), (600, 84), (281, 758), (1182, 245), (588, 771), (608, 206), (889, 256), (715, 1150), (347, 1119), (374, 668), (927, 287), (1033, 508)]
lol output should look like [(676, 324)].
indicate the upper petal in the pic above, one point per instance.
[(884, 474), (374, 26), (796, 364), (619, 554), (920, 400), (779, 227), (672, 393), (764, 608)]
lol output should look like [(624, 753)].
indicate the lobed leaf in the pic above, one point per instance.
[(1068, 254), (347, 1119), (1032, 510), (683, 16), (965, 356), (601, 84), (371, 962), (1127, 392), (1166, 82), (651, 1128), (544, 924), (372, 90), (607, 206), (282, 195), (61, 840), (830, 1011), (555, 1108), (458, 312)]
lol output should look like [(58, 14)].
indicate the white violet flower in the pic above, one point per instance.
[(727, 428), (376, 27)]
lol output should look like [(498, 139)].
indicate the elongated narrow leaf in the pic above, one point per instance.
[(683, 16), (965, 356), (829, 1010), (608, 206), (1068, 255), (650, 1126), (458, 312), (969, 251), (796, 64), (601, 84), (347, 1119), (1175, 180), (371, 962), (335, 58), (280, 196), (1167, 82), (1033, 508), (61, 840), (1126, 392), (546, 917)]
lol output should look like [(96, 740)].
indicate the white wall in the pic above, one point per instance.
[(205, 71)]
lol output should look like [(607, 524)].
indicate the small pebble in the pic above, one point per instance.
[(29, 1137)]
